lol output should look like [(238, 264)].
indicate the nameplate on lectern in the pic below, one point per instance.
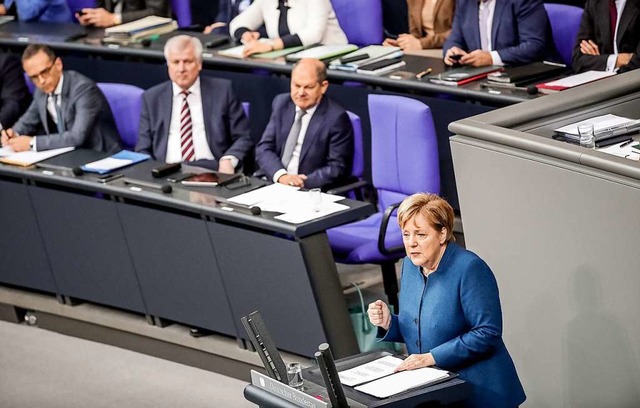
[(285, 392)]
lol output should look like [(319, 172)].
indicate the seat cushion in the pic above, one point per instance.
[(353, 243)]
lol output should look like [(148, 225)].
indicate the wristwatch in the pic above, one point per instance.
[(32, 143)]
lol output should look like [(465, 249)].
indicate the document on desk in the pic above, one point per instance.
[(306, 213), (625, 149), (403, 381), (6, 151), (370, 371), (282, 198), (604, 126), (121, 159), (28, 158)]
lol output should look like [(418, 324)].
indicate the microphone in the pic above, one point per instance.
[(77, 171), (251, 209), (531, 89), (165, 188)]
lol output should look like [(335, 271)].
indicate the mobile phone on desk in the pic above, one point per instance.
[(105, 178), (176, 178)]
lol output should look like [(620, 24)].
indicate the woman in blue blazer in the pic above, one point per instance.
[(450, 313)]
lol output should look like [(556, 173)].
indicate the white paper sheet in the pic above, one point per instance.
[(283, 199), (369, 371), (28, 158), (300, 215), (402, 381), (6, 151), (579, 79), (108, 163), (628, 151)]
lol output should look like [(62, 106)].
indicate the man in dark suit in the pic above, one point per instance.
[(601, 48), (193, 118), (497, 32), (309, 139), (114, 12), (14, 94), (68, 108)]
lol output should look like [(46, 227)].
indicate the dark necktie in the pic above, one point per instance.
[(186, 134), (292, 139), (613, 17), (59, 122), (283, 27)]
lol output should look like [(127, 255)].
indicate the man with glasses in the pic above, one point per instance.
[(309, 139), (67, 110)]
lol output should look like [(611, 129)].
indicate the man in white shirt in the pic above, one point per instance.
[(309, 139), (193, 118)]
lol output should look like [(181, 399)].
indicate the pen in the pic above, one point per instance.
[(427, 71), (626, 143)]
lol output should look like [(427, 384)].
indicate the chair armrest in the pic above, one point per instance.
[(348, 187), (383, 231)]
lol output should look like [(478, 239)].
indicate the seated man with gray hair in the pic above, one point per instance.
[(193, 118)]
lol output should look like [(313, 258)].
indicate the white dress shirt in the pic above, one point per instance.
[(314, 21), (495, 57), (294, 163)]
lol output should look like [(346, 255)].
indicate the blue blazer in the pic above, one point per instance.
[(519, 32), (88, 120), (327, 150), (455, 314), (226, 127)]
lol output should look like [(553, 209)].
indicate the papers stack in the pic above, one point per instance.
[(373, 53), (604, 127), (29, 158), (322, 52), (463, 75), (238, 51), (573, 80), (116, 161), (526, 74), (138, 30)]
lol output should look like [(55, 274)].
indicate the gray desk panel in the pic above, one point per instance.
[(87, 248), (24, 259), (176, 267), (268, 273)]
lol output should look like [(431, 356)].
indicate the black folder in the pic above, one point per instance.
[(527, 73)]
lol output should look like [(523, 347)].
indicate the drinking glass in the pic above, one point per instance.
[(587, 135), (315, 196), (294, 375)]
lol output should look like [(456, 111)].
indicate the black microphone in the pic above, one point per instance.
[(77, 171), (252, 209), (165, 188), (532, 89)]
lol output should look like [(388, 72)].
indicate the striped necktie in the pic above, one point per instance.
[(186, 134)]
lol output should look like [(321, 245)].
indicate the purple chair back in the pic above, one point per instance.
[(30, 84), (246, 107), (361, 20), (80, 4), (358, 151), (565, 22), (182, 10), (404, 148), (125, 102)]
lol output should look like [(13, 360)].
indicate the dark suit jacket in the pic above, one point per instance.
[(85, 112), (327, 150), (225, 124), (137, 9), (519, 32), (595, 26), (14, 94)]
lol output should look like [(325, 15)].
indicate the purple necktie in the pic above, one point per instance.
[(484, 23)]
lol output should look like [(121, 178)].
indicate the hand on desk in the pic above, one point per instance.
[(97, 17), (226, 167), (408, 42), (249, 36), (17, 142), (296, 180), (415, 361), (208, 29), (379, 314), (453, 51), (477, 58)]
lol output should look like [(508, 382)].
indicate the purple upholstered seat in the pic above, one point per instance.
[(182, 11), (80, 4), (404, 160), (565, 22), (361, 20), (125, 102)]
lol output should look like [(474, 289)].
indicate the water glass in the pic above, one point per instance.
[(587, 135), (315, 196), (294, 375)]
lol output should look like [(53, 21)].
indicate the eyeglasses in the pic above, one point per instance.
[(44, 73)]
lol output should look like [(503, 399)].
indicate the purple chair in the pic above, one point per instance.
[(565, 22), (80, 4), (182, 10), (361, 20), (404, 161), (356, 184), (125, 102)]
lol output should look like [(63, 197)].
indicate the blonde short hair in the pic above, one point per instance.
[(435, 209)]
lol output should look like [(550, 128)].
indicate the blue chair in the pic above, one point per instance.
[(80, 4), (404, 161), (565, 22), (182, 11), (355, 185), (361, 20), (126, 103)]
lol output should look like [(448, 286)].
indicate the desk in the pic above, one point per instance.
[(559, 226), (175, 257), (435, 395), (122, 64)]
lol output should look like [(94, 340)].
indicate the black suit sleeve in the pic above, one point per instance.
[(14, 94)]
